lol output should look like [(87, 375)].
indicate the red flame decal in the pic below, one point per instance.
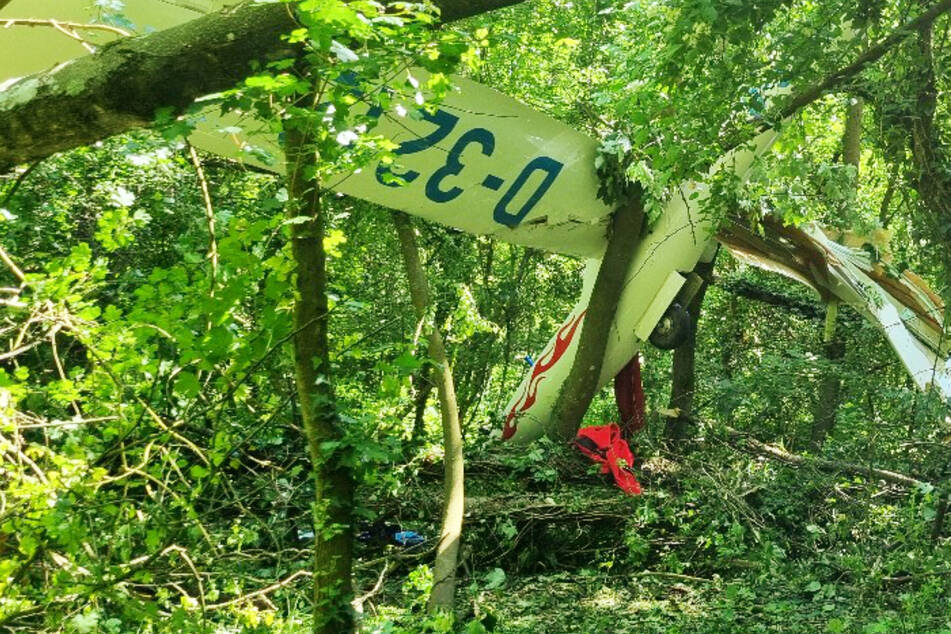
[(545, 362)]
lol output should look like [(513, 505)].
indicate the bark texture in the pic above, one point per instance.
[(683, 374), (932, 178), (120, 87), (450, 535), (582, 381), (852, 135), (333, 481)]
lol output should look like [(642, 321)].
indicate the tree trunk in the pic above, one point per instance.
[(823, 416), (333, 480), (852, 135), (941, 510), (582, 381), (424, 385), (683, 375), (120, 87), (447, 551), (932, 179)]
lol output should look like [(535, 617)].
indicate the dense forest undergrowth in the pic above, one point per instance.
[(721, 541), (219, 387), (209, 519)]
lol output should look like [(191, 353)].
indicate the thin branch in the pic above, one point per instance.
[(263, 591), (60, 26), (884, 214), (201, 586), (359, 601), (672, 575), (209, 215), (8, 261), (12, 303), (60, 371), (68, 423), (148, 409), (906, 578), (19, 181), (18, 351), (23, 458)]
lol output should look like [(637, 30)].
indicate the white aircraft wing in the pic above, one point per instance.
[(483, 163)]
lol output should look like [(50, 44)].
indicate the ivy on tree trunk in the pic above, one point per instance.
[(333, 480)]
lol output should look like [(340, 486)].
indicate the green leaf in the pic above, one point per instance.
[(86, 622), (187, 385), (494, 579)]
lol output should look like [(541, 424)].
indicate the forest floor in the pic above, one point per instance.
[(718, 542)]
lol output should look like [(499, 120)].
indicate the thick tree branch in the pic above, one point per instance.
[(120, 87), (870, 56)]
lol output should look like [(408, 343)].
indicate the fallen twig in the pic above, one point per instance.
[(262, 591), (822, 464), (672, 575)]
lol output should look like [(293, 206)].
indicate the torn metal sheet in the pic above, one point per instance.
[(909, 313)]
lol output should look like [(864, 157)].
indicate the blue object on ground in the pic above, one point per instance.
[(408, 538)]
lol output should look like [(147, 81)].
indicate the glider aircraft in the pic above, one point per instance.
[(488, 165)]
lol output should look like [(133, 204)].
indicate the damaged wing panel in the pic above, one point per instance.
[(909, 313), (482, 162)]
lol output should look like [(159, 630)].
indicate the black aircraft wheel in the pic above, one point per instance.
[(673, 328)]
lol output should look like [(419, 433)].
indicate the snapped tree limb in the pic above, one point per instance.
[(748, 443)]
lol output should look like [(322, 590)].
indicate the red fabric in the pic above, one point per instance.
[(629, 396), (604, 444)]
